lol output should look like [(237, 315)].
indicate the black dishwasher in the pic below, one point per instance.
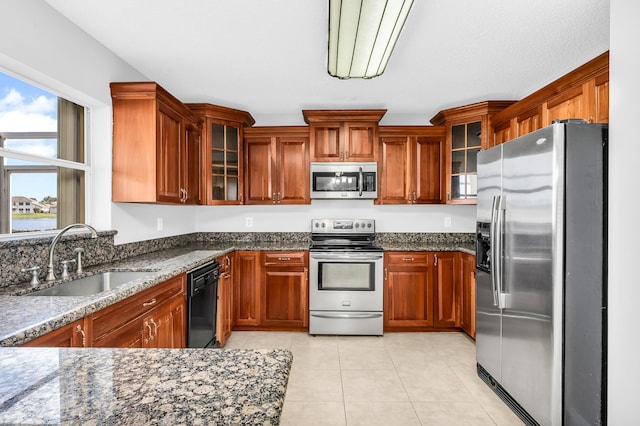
[(202, 305)]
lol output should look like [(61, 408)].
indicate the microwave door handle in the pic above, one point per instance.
[(360, 180)]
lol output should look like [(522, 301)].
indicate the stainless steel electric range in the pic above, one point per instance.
[(345, 278)]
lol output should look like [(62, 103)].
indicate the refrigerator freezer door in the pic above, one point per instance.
[(488, 323), (531, 344)]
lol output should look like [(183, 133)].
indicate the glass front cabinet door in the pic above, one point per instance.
[(467, 132), (465, 145), (225, 182), (222, 131)]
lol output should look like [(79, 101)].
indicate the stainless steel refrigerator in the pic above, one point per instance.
[(541, 273)]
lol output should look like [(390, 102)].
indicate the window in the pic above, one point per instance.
[(42, 159)]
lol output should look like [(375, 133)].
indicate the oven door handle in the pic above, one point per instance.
[(346, 315), (360, 181), (342, 256)]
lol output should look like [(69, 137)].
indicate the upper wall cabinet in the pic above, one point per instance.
[(467, 130), (156, 146), (222, 174), (583, 93), (411, 164), (343, 135), (276, 165)]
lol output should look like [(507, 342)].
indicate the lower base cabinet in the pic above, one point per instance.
[(155, 317), (468, 295), (408, 290), (271, 290), (428, 291), (284, 296), (224, 322), (72, 335)]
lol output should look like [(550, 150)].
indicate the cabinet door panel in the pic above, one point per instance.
[(428, 172), (169, 157), (395, 173), (247, 289), (69, 336), (468, 302), (127, 336), (325, 142), (446, 280), (360, 142), (408, 297), (192, 162), (259, 171), (293, 171), (285, 296), (571, 104)]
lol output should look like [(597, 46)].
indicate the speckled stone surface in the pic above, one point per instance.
[(142, 386), (25, 318)]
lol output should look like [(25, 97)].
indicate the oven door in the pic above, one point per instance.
[(345, 281)]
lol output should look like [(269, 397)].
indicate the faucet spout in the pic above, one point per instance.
[(50, 268)]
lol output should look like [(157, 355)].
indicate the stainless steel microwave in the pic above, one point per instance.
[(344, 180)]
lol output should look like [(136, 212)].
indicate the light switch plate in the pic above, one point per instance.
[(447, 221), (248, 222), (159, 224)]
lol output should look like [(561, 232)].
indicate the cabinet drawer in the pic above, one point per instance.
[(417, 258), (115, 316), (284, 258)]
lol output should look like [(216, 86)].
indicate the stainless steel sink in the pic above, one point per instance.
[(93, 284)]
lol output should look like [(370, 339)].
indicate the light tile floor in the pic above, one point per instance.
[(396, 379)]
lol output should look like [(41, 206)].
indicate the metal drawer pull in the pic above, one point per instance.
[(408, 259), (84, 337), (284, 258), (155, 327), (149, 303)]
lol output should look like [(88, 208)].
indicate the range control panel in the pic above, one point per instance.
[(343, 226)]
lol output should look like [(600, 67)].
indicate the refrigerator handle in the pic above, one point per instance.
[(493, 227), (497, 261)]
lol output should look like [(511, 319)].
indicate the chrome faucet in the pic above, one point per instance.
[(50, 269)]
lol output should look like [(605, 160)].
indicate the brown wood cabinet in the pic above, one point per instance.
[(467, 132), (246, 287), (343, 135), (74, 335), (411, 165), (583, 94), (271, 290), (421, 290), (446, 297), (222, 165), (156, 146), (152, 318), (155, 317), (408, 290), (468, 295), (276, 165), (285, 295), (224, 323), (164, 326)]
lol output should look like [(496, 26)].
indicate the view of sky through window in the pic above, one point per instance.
[(26, 108)]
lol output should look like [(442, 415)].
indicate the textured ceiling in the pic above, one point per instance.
[(269, 57)]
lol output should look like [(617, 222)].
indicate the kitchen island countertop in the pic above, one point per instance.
[(142, 386)]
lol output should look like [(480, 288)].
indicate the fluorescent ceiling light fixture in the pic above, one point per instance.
[(362, 35)]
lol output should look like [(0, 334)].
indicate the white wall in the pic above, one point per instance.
[(270, 218), (624, 232), (39, 45)]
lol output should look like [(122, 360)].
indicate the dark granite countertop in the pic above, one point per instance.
[(142, 386), (429, 246), (23, 318)]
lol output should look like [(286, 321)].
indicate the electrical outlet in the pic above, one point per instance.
[(447, 221), (248, 222), (159, 224)]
